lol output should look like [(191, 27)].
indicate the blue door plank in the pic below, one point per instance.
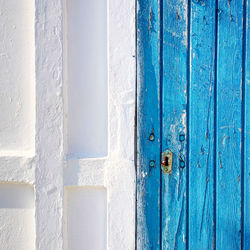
[(148, 122), (246, 222), (229, 127), (174, 122), (201, 124)]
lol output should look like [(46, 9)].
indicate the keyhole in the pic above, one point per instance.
[(166, 161)]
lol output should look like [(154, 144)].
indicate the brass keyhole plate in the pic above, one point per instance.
[(167, 161)]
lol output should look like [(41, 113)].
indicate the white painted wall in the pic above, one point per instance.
[(17, 217), (85, 206), (17, 75), (85, 41), (67, 88)]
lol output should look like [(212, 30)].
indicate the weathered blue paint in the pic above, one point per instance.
[(148, 78), (193, 99), (246, 132), (174, 119), (201, 124), (246, 128), (228, 124)]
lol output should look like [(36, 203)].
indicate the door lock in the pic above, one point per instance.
[(167, 162)]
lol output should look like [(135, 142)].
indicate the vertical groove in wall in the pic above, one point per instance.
[(215, 121), (188, 118), (86, 77), (243, 124)]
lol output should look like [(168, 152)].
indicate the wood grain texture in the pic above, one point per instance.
[(201, 125), (148, 122), (174, 122), (246, 138), (229, 127)]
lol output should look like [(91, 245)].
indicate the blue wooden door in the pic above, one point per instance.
[(193, 124)]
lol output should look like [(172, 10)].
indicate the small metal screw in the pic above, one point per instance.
[(152, 137), (152, 163), (182, 164), (182, 137)]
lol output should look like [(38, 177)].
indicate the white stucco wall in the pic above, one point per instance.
[(67, 186)]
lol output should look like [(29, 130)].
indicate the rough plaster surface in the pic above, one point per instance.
[(17, 230), (49, 170)]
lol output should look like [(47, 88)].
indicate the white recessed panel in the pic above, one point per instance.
[(17, 73), (85, 225), (17, 217), (86, 77)]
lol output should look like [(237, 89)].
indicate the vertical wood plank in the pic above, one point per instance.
[(148, 122), (229, 127), (201, 143), (174, 128), (246, 165)]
